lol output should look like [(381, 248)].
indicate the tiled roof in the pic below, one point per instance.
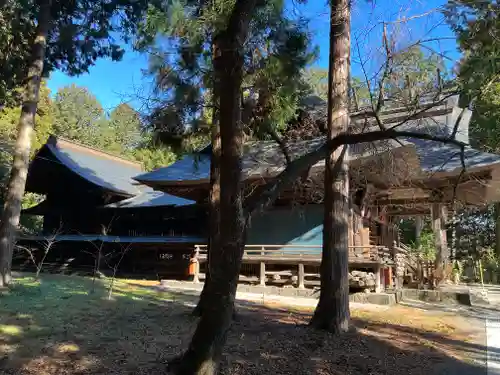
[(260, 159), (264, 158)]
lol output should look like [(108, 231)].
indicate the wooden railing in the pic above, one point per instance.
[(368, 253), (296, 256)]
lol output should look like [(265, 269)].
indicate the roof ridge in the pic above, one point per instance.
[(57, 139)]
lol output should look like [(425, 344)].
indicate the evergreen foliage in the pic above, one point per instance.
[(81, 32), (477, 26), (179, 37), (76, 114)]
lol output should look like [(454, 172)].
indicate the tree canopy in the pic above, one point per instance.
[(81, 32), (179, 39)]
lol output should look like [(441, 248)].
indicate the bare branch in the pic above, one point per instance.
[(385, 75), (423, 108), (406, 19), (267, 193)]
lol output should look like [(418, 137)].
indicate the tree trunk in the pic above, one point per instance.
[(497, 228), (213, 214), (442, 252), (419, 224), (17, 181), (205, 349), (332, 312)]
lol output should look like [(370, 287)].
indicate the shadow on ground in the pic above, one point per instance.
[(477, 312), (57, 327)]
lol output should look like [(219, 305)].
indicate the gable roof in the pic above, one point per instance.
[(437, 116), (107, 171), (261, 159), (102, 169)]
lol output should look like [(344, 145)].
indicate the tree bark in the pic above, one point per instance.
[(419, 225), (213, 214), (17, 181), (205, 349), (497, 229), (442, 252), (332, 311)]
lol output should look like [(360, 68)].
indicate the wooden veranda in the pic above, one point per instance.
[(298, 265)]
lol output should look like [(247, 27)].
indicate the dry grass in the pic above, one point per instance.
[(57, 327)]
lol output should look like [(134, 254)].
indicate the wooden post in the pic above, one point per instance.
[(351, 228), (444, 233), (388, 277), (301, 276), (262, 276), (378, 287)]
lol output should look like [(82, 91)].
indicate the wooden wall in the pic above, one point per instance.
[(300, 225)]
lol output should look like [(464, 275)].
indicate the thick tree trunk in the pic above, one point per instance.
[(497, 229), (213, 215), (205, 349), (332, 312), (442, 261), (419, 225), (17, 181)]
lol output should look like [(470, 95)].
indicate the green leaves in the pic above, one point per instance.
[(76, 114), (477, 26), (178, 35), (81, 32)]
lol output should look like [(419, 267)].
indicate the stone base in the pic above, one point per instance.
[(445, 297), (373, 298), (385, 299)]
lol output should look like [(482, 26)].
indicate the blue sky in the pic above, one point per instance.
[(116, 82)]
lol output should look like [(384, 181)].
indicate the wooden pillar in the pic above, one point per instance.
[(439, 229), (444, 231), (388, 277), (350, 228), (301, 276), (262, 275), (378, 275)]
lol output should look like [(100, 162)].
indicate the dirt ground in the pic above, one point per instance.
[(59, 327)]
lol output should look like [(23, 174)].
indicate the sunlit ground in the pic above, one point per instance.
[(68, 325)]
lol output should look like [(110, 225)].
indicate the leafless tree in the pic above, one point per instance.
[(114, 266), (98, 253), (47, 244)]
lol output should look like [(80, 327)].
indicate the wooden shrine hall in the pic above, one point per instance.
[(399, 178), (93, 204), (97, 200)]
